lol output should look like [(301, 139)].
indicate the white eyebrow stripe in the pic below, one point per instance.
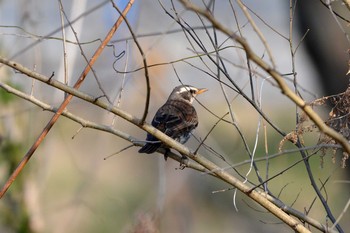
[(184, 89)]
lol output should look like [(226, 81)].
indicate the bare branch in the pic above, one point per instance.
[(277, 77), (59, 111), (148, 87), (217, 171)]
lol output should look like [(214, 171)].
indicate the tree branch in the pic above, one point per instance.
[(59, 111), (275, 75), (212, 167)]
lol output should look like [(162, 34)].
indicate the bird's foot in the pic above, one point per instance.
[(166, 154), (183, 162)]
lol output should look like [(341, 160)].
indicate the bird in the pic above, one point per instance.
[(177, 118)]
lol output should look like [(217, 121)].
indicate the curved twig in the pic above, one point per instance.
[(148, 87)]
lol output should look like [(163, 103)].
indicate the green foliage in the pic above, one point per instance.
[(5, 97), (13, 208)]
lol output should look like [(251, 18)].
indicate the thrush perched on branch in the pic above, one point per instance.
[(177, 118)]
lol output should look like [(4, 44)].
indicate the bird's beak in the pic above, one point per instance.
[(200, 91)]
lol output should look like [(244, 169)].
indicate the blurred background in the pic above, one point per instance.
[(71, 186)]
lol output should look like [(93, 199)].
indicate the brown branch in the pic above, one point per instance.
[(92, 125), (59, 111), (128, 117), (212, 167), (257, 31), (276, 76)]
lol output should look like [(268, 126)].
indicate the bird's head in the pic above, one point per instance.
[(186, 92)]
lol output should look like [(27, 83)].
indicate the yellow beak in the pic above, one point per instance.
[(200, 91)]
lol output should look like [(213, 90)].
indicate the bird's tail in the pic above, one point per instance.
[(149, 148)]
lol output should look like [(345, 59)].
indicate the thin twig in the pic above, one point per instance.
[(341, 215), (59, 111), (277, 77), (144, 60), (258, 32), (22, 51), (218, 172), (64, 44), (207, 166), (85, 57), (118, 97), (92, 125), (329, 6)]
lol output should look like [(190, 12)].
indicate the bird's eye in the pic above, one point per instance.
[(193, 92)]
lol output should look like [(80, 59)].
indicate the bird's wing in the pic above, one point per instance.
[(175, 119), (165, 121)]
